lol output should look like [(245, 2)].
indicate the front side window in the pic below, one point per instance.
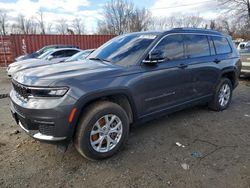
[(221, 45), (171, 47), (196, 45)]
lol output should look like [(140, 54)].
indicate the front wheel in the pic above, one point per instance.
[(102, 130), (222, 95)]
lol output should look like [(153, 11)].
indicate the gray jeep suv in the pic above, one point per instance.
[(131, 78)]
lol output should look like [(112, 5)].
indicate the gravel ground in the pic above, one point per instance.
[(216, 152)]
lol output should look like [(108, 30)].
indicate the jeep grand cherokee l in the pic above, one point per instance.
[(131, 78)]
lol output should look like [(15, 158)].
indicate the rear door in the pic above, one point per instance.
[(69, 53), (201, 59)]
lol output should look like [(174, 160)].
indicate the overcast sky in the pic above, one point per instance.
[(90, 10)]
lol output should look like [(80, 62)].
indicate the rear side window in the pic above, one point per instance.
[(69, 53), (196, 45), (171, 47), (58, 54), (221, 45)]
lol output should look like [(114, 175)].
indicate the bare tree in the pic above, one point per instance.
[(140, 20), (21, 24), (212, 25), (240, 8), (160, 23), (78, 26), (121, 16), (70, 31), (116, 16), (174, 21), (193, 21), (225, 25), (49, 28), (25, 25), (41, 22), (3, 22), (62, 26)]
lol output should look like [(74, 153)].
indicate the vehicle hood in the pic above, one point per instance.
[(84, 70), (27, 56), (31, 63), (26, 61)]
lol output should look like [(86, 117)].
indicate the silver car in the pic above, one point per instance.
[(49, 57), (245, 58)]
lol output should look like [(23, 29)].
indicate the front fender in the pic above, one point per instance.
[(85, 100)]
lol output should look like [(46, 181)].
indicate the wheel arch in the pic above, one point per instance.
[(231, 75), (121, 97)]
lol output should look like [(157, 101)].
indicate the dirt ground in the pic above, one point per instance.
[(216, 152)]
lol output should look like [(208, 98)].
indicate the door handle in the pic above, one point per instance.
[(182, 66), (217, 61)]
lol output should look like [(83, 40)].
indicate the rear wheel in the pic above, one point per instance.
[(102, 130), (222, 95)]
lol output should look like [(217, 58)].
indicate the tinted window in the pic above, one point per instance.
[(196, 46), (221, 45), (124, 50), (171, 47), (58, 54), (69, 53)]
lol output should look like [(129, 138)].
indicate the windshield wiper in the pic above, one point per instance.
[(99, 59)]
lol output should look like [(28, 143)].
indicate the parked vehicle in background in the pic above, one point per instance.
[(131, 78), (43, 50), (245, 58), (80, 55), (241, 45), (49, 57)]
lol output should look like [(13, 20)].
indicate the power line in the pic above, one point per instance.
[(183, 5)]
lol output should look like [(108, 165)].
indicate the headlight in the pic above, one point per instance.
[(47, 92)]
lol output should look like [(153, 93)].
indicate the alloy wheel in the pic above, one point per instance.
[(106, 133), (224, 94)]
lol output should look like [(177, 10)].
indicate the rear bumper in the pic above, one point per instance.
[(46, 121)]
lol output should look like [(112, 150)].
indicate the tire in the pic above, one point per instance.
[(216, 103), (95, 119)]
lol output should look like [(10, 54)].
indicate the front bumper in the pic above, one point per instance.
[(40, 136), (44, 119), (245, 69)]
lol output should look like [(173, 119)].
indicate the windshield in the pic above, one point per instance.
[(45, 49), (123, 50), (44, 55), (79, 56)]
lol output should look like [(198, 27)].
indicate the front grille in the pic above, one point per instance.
[(47, 129), (18, 110), (21, 90)]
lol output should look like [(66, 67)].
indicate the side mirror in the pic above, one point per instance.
[(50, 57), (154, 57)]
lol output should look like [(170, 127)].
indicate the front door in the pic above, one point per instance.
[(167, 83)]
